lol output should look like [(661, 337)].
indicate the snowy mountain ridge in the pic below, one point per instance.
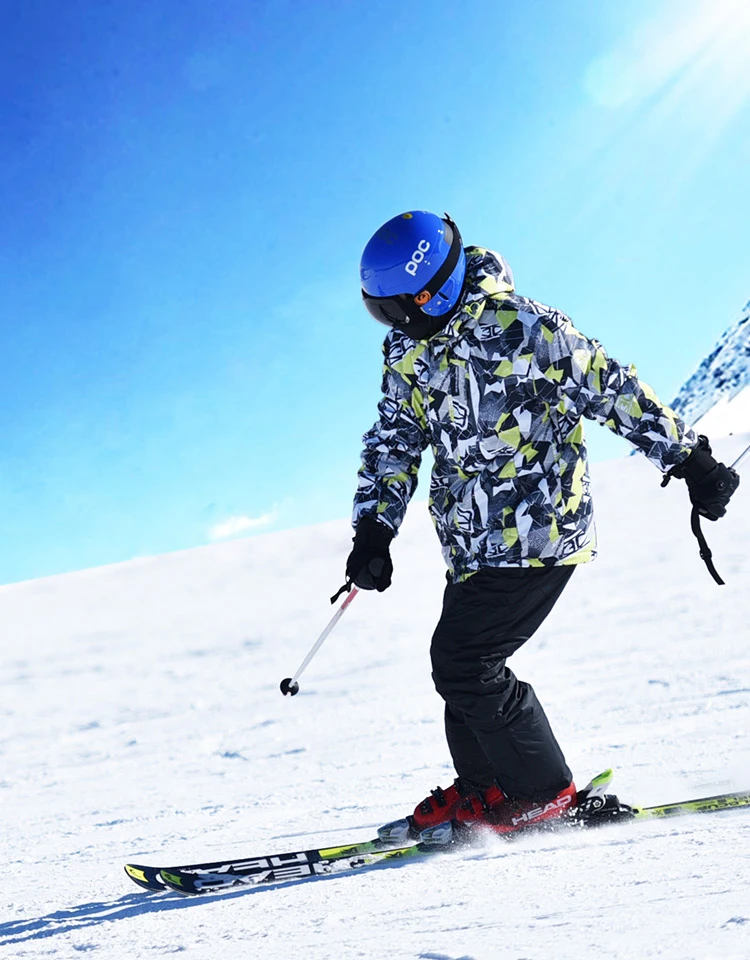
[(715, 398)]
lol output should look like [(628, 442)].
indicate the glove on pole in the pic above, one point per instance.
[(369, 565), (289, 686), (710, 485)]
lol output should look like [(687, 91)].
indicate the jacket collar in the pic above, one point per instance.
[(488, 276)]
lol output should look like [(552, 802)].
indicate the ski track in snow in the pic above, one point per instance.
[(142, 722)]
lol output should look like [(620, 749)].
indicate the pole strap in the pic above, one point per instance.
[(347, 588), (695, 526), (705, 550)]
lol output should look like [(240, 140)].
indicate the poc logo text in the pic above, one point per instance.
[(417, 257)]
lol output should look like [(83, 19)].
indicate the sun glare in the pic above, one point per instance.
[(673, 86), (693, 56)]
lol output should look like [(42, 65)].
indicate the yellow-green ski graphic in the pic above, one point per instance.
[(724, 801)]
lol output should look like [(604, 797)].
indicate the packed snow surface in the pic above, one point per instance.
[(143, 722)]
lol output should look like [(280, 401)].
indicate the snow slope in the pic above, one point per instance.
[(730, 414), (142, 721)]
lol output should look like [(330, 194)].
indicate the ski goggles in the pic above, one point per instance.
[(404, 310)]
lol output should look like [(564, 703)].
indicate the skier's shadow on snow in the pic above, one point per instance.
[(88, 915)]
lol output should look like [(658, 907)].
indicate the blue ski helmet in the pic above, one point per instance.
[(412, 272)]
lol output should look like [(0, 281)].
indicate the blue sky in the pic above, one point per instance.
[(187, 186)]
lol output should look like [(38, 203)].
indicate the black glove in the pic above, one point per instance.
[(710, 484), (369, 564)]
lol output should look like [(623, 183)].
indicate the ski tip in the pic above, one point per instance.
[(146, 877), (178, 882), (597, 786), (606, 776)]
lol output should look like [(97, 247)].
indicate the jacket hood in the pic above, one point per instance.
[(488, 274)]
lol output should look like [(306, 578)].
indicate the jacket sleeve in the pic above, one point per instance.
[(393, 446), (598, 387)]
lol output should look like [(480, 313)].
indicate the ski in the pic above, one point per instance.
[(596, 809), (278, 871), (150, 878)]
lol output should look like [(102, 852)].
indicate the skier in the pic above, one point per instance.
[(498, 385)]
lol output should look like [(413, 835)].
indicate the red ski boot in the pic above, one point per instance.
[(440, 807), (503, 815)]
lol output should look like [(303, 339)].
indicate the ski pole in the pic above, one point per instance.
[(737, 463), (289, 685)]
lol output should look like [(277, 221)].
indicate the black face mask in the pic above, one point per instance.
[(402, 311)]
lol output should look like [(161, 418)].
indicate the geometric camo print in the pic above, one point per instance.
[(500, 395)]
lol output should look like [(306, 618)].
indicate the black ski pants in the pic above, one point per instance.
[(496, 728)]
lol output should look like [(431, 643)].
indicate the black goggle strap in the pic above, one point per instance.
[(407, 301), (449, 265)]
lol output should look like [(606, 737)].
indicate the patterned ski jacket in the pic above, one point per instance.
[(500, 395)]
